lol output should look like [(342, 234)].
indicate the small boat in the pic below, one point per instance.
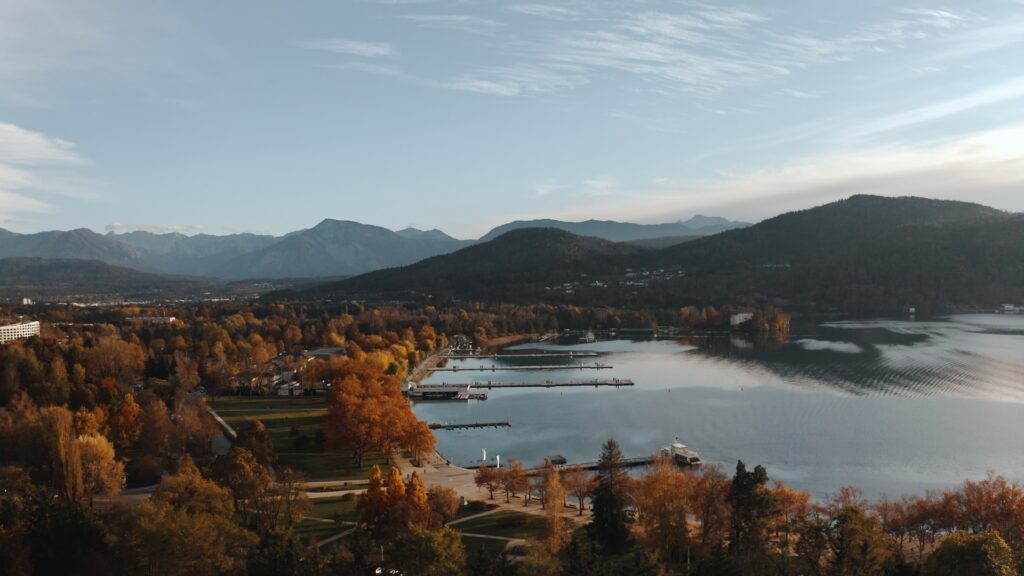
[(682, 454)]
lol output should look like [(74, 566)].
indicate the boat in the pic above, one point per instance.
[(682, 454)]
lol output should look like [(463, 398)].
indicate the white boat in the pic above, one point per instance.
[(682, 454)]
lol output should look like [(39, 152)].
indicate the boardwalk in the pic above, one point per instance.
[(494, 368), (456, 426), (496, 356), (596, 382)]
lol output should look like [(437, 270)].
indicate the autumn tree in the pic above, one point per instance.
[(513, 480), (65, 460), (662, 499), (157, 428), (185, 513), (125, 424), (487, 477), (428, 552), (709, 492), (373, 503), (579, 483), (444, 502), (557, 528), (611, 498), (247, 480), (859, 545), (965, 554), (253, 436), (417, 503), (102, 473)]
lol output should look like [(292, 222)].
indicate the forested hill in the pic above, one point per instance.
[(514, 266), (43, 278), (864, 255)]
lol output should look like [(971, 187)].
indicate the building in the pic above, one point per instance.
[(741, 318), (151, 319), (17, 331)]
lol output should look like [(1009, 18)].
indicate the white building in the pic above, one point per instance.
[(17, 331)]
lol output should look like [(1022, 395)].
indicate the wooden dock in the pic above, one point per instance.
[(494, 368), (535, 355), (597, 382), (628, 463), (455, 426)]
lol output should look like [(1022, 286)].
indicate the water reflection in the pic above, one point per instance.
[(888, 406)]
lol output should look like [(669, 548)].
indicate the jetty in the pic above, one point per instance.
[(596, 382), (627, 463), (455, 426), (497, 356), (494, 368)]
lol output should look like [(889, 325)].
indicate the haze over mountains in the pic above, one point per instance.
[(332, 248)]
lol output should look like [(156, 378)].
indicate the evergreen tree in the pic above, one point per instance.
[(753, 507), (610, 499)]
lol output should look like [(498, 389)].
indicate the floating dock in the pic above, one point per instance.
[(534, 355), (597, 382), (454, 426), (493, 368)]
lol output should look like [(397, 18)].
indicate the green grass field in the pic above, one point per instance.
[(280, 414), (335, 509), (486, 546), (505, 523)]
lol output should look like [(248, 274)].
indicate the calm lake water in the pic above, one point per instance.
[(891, 407)]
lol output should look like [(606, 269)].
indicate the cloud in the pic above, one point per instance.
[(188, 229), (986, 167), (368, 67), (544, 10), (350, 47), (547, 189), (1009, 90), (460, 22), (25, 147), (31, 164), (513, 80), (803, 94)]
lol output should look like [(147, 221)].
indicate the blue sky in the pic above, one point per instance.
[(462, 114)]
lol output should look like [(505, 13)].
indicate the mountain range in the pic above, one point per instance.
[(332, 248), (862, 255)]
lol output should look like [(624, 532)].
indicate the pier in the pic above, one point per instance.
[(597, 382), (454, 426), (494, 368), (533, 355), (627, 463)]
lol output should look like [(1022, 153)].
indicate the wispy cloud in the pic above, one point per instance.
[(547, 189), (704, 49), (30, 164), (543, 10), (1009, 90), (26, 147), (986, 167), (350, 47), (461, 22)]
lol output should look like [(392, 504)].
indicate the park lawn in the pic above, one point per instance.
[(313, 530), (506, 523), (335, 509), (473, 508), (486, 546), (279, 415)]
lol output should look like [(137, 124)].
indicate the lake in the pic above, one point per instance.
[(892, 407)]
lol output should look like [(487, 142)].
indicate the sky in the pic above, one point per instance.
[(231, 116)]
